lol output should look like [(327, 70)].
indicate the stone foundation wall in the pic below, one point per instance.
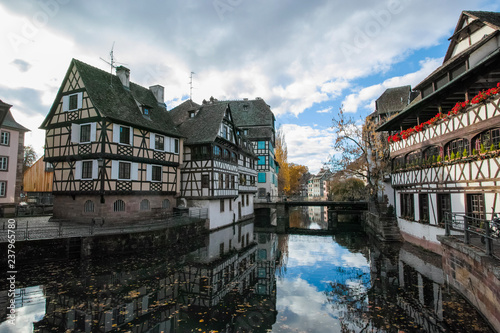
[(475, 275), (71, 209)]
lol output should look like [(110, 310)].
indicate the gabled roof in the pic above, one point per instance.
[(11, 123), (204, 127), (248, 113), (112, 100), (180, 113), (478, 19), (393, 100)]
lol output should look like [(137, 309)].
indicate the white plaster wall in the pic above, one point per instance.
[(423, 231)]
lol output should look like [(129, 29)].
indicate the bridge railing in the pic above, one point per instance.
[(54, 230)]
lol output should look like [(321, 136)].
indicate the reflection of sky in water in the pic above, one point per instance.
[(314, 262), (30, 308)]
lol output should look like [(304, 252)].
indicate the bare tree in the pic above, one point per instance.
[(361, 152)]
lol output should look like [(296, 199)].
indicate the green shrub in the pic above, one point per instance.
[(483, 150)]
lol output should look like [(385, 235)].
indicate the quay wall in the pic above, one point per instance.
[(475, 275)]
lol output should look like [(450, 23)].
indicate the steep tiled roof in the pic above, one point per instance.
[(114, 101), (204, 128), (11, 123), (489, 17), (251, 113), (393, 100), (180, 113)]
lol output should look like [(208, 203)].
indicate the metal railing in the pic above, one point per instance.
[(473, 230), (52, 230)]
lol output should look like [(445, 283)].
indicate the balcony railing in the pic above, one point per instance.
[(479, 232)]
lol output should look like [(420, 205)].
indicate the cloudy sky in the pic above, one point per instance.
[(306, 59)]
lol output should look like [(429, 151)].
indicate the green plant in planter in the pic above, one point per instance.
[(446, 158), (464, 153), (474, 151), (498, 145), (482, 150), (452, 156), (492, 147), (438, 158)]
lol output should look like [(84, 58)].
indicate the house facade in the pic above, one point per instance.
[(444, 145), (318, 185), (218, 170), (11, 160), (257, 123), (114, 150)]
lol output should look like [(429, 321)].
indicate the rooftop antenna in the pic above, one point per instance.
[(111, 63), (191, 86)]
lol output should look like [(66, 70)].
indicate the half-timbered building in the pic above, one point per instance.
[(257, 122), (218, 172), (445, 145), (113, 146)]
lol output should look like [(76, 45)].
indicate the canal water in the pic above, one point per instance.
[(246, 278)]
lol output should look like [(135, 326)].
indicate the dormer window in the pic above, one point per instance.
[(192, 114), (145, 111), (245, 107)]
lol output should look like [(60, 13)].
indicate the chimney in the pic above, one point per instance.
[(123, 74), (158, 91)]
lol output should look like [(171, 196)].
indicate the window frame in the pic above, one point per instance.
[(121, 136), (86, 171), (89, 133), (4, 136), (158, 143), (3, 188), (6, 159), (120, 171)]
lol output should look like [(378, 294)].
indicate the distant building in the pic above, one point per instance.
[(11, 160), (318, 185), (115, 150), (37, 183)]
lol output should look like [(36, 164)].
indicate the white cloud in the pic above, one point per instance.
[(327, 110), (366, 96), (308, 146)]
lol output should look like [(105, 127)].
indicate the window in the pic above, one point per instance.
[(205, 181), (413, 158), (85, 133), (3, 188), (475, 209), (156, 172), (4, 163), (72, 102), (226, 154), (444, 207), (227, 181), (165, 204), (423, 201), (88, 206), (144, 204), (454, 147), (191, 114), (262, 177), (87, 169), (262, 160), (5, 138), (221, 249), (145, 110), (125, 135), (431, 154), (217, 151), (245, 132), (261, 145), (407, 206), (487, 139), (176, 146), (243, 200), (262, 254), (230, 205), (159, 142), (221, 180), (248, 199), (222, 205), (124, 170), (233, 181), (119, 206)]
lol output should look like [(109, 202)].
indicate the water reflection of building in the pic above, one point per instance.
[(227, 284), (318, 214)]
